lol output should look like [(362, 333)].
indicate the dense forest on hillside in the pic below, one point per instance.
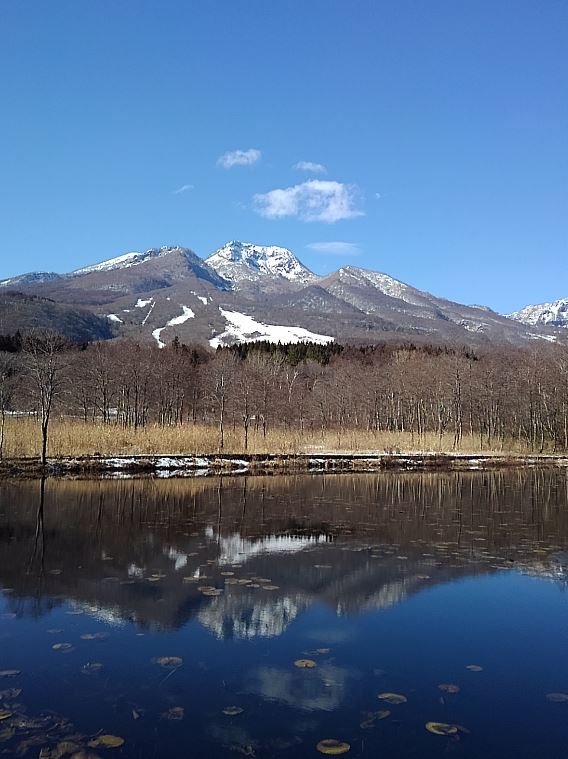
[(498, 397)]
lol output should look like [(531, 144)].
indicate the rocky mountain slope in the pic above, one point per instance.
[(550, 314), (247, 292)]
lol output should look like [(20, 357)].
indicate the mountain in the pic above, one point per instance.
[(33, 278), (22, 312), (239, 262), (549, 314), (246, 292)]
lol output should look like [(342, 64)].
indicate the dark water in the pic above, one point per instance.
[(389, 583)]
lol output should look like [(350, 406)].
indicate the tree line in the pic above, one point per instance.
[(496, 395)]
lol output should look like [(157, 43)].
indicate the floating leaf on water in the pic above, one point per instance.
[(557, 698), (305, 663), (392, 698), (271, 587), (9, 672), (474, 668), (106, 741), (449, 688), (4, 714), (75, 612), (7, 734), (253, 585), (441, 728), (62, 646), (227, 574), (232, 711), (206, 588), (54, 631), (212, 593), (383, 713), (10, 693), (175, 713), (231, 581), (94, 636), (243, 581), (66, 747), (169, 662), (323, 650), (331, 747), (91, 668), (367, 724)]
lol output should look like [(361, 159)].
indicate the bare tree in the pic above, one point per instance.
[(45, 360), (7, 377)]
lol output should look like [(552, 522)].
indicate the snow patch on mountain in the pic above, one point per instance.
[(238, 261), (387, 285), (551, 314), (244, 329), (141, 303), (33, 278), (114, 318), (125, 261), (186, 314)]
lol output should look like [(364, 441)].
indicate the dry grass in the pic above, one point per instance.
[(75, 438)]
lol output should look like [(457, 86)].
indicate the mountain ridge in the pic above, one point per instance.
[(248, 292)]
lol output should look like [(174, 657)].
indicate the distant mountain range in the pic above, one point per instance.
[(248, 292)]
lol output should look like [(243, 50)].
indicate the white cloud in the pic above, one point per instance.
[(239, 158), (315, 200), (335, 248), (183, 188), (315, 168), (378, 195)]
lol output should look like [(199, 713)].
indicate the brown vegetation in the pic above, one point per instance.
[(113, 398)]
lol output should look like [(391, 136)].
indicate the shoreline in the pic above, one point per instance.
[(178, 465)]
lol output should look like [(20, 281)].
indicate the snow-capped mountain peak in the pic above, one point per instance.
[(238, 261), (127, 260), (387, 285), (32, 278), (552, 314)]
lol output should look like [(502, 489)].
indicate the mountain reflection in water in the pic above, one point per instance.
[(172, 613), (138, 550)]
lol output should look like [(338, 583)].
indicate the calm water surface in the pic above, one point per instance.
[(389, 583)]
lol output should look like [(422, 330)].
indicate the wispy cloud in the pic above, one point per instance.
[(239, 158), (314, 168), (335, 248), (183, 188), (315, 200)]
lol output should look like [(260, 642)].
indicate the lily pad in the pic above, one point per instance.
[(4, 714), (557, 698), (9, 672), (106, 741), (392, 698), (332, 747), (441, 728), (305, 663), (169, 662), (176, 713), (474, 668), (62, 646), (91, 668), (449, 688), (232, 711)]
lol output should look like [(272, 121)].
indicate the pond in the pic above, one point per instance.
[(399, 614)]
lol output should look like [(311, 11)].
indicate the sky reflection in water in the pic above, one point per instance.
[(406, 578)]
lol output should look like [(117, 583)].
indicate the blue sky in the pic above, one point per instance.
[(440, 127)]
